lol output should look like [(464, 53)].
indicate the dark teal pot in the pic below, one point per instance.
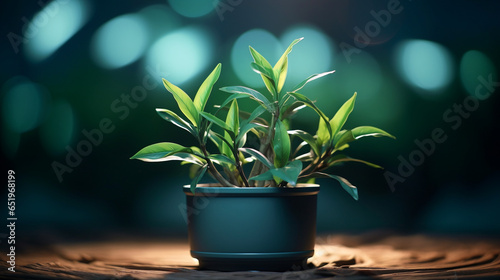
[(270, 229)]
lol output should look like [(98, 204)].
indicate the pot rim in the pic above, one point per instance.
[(215, 189)]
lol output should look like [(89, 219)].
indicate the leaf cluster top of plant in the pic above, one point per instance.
[(274, 163)]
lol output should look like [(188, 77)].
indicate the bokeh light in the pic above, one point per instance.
[(182, 54), (312, 55), (53, 26), (58, 128), (120, 41), (159, 19), (23, 106), (263, 42), (377, 102), (425, 65), (361, 75), (475, 64), (192, 8)]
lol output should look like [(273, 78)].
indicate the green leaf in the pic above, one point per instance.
[(308, 102), (281, 75), (343, 158), (263, 177), (323, 133), (290, 173), (308, 138), (158, 151), (217, 140), (184, 102), (259, 97), (197, 177), (176, 120), (217, 121), (255, 114), (281, 145), (344, 137), (363, 131), (261, 70), (233, 117), (245, 129), (232, 121), (180, 156), (280, 69), (346, 185), (337, 122), (310, 79), (200, 100), (259, 156), (261, 61), (221, 140), (197, 151), (221, 159)]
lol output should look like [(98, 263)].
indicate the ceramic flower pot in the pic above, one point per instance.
[(270, 229)]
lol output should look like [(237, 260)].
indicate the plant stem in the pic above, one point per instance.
[(316, 165), (239, 167), (213, 170)]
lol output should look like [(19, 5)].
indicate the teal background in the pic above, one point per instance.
[(100, 84)]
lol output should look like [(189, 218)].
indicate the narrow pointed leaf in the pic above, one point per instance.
[(216, 120), (281, 75), (221, 159), (307, 138), (197, 177), (346, 185), (261, 70), (200, 100), (233, 97), (217, 140), (308, 102), (176, 120), (343, 158), (263, 177), (304, 157), (196, 151), (310, 79), (337, 122), (281, 145), (261, 61), (255, 114), (245, 129), (289, 173), (158, 150), (259, 97), (181, 156), (221, 140), (184, 102), (258, 155), (323, 132), (233, 117), (289, 110), (344, 137), (281, 67), (363, 131)]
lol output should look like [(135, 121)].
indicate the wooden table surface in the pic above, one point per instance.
[(378, 256)]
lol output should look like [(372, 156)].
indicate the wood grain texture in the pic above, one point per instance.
[(337, 257)]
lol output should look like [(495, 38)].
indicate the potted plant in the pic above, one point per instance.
[(263, 217)]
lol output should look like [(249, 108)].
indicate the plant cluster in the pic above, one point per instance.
[(275, 162)]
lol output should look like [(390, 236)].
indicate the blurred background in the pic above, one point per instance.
[(80, 80)]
